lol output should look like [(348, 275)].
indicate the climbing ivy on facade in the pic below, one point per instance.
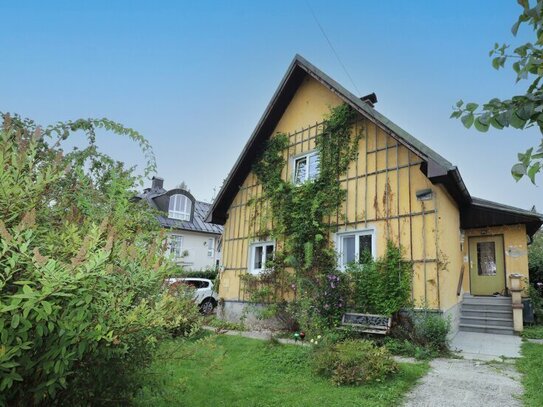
[(305, 263)]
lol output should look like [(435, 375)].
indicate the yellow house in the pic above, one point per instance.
[(467, 252)]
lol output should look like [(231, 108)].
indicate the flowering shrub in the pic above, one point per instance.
[(332, 298)]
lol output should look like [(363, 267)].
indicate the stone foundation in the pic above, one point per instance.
[(454, 314), (247, 314)]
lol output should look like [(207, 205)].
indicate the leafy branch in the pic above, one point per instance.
[(520, 111)]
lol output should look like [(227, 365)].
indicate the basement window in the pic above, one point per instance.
[(353, 246), (260, 253), (306, 167)]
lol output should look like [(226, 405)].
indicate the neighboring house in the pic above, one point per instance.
[(192, 242), (397, 189)]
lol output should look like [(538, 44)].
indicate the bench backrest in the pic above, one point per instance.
[(369, 323)]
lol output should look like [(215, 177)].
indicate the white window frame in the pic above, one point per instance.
[(184, 213), (173, 253), (211, 247), (307, 155), (355, 233), (252, 253)]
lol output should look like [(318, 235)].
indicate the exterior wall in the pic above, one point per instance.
[(196, 245), (450, 250), (381, 190), (515, 247)]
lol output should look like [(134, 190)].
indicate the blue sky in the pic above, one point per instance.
[(195, 77)]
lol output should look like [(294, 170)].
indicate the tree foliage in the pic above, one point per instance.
[(520, 111), (81, 270), (535, 258)]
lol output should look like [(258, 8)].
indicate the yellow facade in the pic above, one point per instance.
[(381, 187)]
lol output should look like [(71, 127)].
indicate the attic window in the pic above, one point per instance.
[(306, 167), (180, 207)]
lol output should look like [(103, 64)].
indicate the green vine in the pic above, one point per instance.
[(300, 214)]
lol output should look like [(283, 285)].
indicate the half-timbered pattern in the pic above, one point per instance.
[(397, 189)]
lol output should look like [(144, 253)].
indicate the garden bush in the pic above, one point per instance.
[(430, 330), (353, 362), (210, 273), (381, 286), (82, 303), (404, 347)]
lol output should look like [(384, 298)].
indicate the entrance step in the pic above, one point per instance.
[(488, 300), (489, 314), (487, 307), (492, 313), (500, 330), (506, 322)]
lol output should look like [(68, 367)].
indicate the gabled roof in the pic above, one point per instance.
[(159, 199), (434, 166)]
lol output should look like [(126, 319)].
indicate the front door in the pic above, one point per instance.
[(486, 264)]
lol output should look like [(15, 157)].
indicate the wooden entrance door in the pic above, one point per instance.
[(487, 266)]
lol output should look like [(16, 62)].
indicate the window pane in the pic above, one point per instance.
[(364, 248), (179, 202), (176, 246), (210, 247), (348, 249), (269, 253), (188, 207), (257, 261), (314, 166), (300, 169), (171, 207), (486, 259)]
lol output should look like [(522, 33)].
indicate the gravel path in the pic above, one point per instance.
[(466, 383)]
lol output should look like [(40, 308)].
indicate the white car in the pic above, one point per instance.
[(204, 295)]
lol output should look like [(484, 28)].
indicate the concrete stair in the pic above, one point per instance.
[(487, 314)]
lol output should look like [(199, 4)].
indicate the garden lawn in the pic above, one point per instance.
[(220, 370), (533, 332), (531, 367)]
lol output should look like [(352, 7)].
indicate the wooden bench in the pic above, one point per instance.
[(367, 323)]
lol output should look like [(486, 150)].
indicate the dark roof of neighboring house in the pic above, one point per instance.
[(159, 199), (434, 166)]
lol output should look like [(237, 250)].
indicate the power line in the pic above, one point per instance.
[(332, 47)]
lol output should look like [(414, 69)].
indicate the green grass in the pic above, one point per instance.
[(531, 367), (533, 332), (236, 371)]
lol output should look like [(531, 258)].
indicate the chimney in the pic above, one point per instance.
[(157, 183), (370, 99)]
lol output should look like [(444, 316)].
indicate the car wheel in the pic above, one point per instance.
[(207, 306)]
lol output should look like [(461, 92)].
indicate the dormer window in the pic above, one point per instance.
[(180, 207), (306, 167)]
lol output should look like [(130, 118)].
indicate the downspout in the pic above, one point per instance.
[(424, 255), (437, 250)]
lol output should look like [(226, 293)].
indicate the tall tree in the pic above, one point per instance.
[(520, 111)]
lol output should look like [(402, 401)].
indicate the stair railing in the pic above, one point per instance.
[(460, 281)]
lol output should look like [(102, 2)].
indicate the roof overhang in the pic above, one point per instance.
[(434, 166), (482, 214)]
